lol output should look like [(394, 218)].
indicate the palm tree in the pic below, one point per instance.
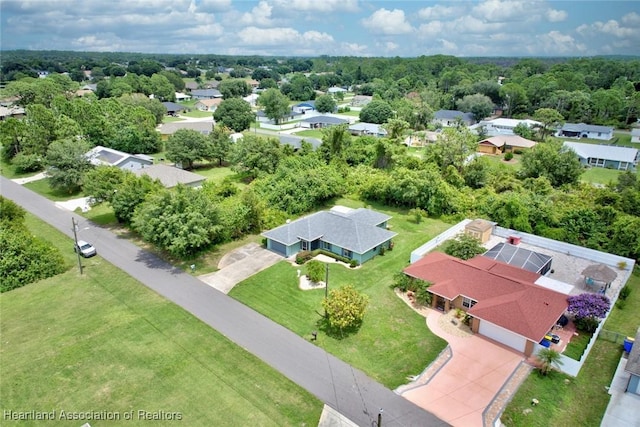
[(548, 359)]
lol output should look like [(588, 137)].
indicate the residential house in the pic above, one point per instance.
[(581, 130), (502, 126), (361, 100), (452, 117), (211, 84), (635, 135), (14, 111), (182, 97), (291, 115), (504, 143), (296, 141), (205, 94), (357, 234), (208, 104), (100, 155), (633, 366), (371, 129), (251, 99), (504, 302), (253, 83), (168, 129), (189, 86), (172, 108), (319, 122), (605, 156), (335, 89), (304, 107), (171, 176)]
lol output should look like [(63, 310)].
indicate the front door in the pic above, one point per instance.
[(440, 303)]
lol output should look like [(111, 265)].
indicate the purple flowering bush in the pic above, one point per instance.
[(588, 309)]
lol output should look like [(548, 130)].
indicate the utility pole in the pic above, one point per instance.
[(75, 239)]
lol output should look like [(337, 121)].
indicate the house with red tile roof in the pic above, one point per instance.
[(504, 302)]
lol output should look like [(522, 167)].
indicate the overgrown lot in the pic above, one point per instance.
[(104, 342), (393, 342)]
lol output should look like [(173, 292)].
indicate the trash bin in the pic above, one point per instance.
[(628, 344)]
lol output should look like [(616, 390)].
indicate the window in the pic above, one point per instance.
[(304, 245), (468, 302), (326, 245), (347, 253)]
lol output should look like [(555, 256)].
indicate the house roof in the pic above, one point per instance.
[(172, 106), (633, 362), (511, 140), (335, 89), (505, 295), (518, 256), (352, 229), (171, 128), (582, 127), (296, 141), (635, 132), (452, 115), (213, 93), (209, 102), (608, 152), (328, 120), (371, 128), (191, 85), (510, 123), (480, 225), (310, 104), (170, 176), (100, 155)]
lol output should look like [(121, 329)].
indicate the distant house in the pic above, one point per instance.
[(635, 135), (182, 97), (605, 156), (168, 129), (335, 89), (211, 84), (361, 100), (451, 117), (208, 104), (504, 143), (15, 112), (173, 108), (504, 302), (304, 107), (502, 126), (251, 99), (581, 130), (205, 94), (100, 155), (291, 115), (371, 129), (296, 141), (191, 86), (633, 366), (319, 122), (253, 83), (171, 176), (357, 234)]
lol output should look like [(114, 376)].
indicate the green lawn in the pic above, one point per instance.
[(42, 187), (170, 119), (312, 133), (600, 176), (583, 401), (577, 345), (104, 342), (197, 113), (351, 113), (393, 342), (9, 171)]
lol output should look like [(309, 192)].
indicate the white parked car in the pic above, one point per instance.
[(85, 249)]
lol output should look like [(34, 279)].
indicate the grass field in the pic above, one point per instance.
[(393, 341), (42, 187), (104, 342), (310, 133), (600, 176), (580, 401), (197, 113)]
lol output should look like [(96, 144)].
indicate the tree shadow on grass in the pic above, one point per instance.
[(325, 326)]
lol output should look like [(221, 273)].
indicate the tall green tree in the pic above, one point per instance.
[(234, 88), (550, 120), (187, 146), (101, 183), (453, 147), (553, 161), (477, 104), (67, 164), (221, 143), (254, 155), (376, 112), (274, 103), (131, 193), (235, 114), (335, 140), (325, 104)]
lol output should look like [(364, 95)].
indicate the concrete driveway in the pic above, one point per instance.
[(239, 265), (461, 390)]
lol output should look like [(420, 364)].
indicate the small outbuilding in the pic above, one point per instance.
[(481, 229)]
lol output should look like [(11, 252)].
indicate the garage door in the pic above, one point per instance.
[(502, 335), (278, 247)]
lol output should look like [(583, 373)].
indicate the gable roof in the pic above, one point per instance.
[(172, 106), (635, 132), (100, 155), (608, 152), (511, 140), (328, 120), (583, 127), (170, 176), (352, 229), (172, 127), (510, 123), (452, 115), (210, 102), (296, 141), (211, 93), (505, 295), (370, 128)]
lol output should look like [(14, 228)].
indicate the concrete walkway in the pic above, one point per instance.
[(336, 383), (466, 384), (238, 265), (36, 177), (624, 408)]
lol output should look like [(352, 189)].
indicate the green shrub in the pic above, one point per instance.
[(401, 281), (354, 263), (28, 162), (587, 324), (621, 303), (624, 292), (517, 151), (382, 250), (508, 155), (303, 256), (315, 271)]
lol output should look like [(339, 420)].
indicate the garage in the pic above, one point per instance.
[(502, 335), (277, 247)]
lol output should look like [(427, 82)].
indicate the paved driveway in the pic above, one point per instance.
[(239, 265), (468, 382)]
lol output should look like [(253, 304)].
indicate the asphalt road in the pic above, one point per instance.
[(336, 383)]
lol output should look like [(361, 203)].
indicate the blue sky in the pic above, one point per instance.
[(332, 27)]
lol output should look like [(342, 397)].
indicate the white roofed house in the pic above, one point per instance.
[(100, 155), (635, 135), (605, 156), (452, 117), (503, 126), (581, 130)]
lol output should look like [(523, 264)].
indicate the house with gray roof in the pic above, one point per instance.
[(357, 234), (319, 122), (605, 156), (581, 130), (450, 117), (635, 135), (105, 156), (173, 108), (168, 129), (171, 176), (205, 93), (296, 141), (371, 129)]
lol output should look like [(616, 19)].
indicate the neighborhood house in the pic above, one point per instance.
[(605, 156), (581, 130), (100, 155), (452, 117), (357, 234), (504, 143)]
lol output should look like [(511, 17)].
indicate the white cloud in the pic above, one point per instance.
[(612, 28), (557, 43), (503, 10), (259, 15), (354, 49), (319, 5), (432, 29), (554, 15), (254, 36), (631, 19), (439, 12), (389, 22)]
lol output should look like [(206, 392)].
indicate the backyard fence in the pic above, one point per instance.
[(612, 336)]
